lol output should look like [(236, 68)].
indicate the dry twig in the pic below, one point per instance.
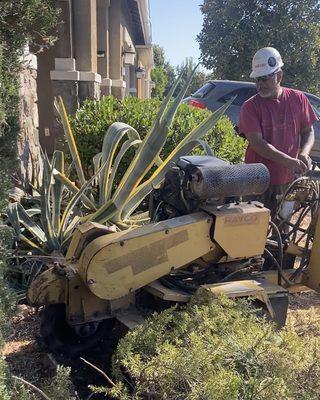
[(111, 383), (33, 387)]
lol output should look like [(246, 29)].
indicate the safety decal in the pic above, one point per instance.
[(272, 61)]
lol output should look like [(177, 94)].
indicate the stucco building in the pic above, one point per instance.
[(103, 47)]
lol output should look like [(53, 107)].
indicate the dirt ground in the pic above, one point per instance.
[(22, 352), (26, 358)]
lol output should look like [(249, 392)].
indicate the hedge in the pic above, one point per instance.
[(93, 119)]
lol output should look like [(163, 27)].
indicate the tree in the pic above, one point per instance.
[(163, 73), (233, 30), (199, 77), (159, 77), (22, 22)]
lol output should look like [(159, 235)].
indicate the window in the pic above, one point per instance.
[(204, 90), (242, 94), (314, 102)]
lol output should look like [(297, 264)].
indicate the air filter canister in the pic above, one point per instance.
[(228, 180)]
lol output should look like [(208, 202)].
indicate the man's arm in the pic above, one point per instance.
[(266, 150), (307, 141)]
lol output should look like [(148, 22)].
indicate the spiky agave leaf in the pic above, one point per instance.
[(73, 189), (124, 148), (150, 148), (96, 161), (57, 189), (45, 204), (16, 221), (73, 202), (33, 211), (59, 105), (12, 214), (30, 225), (111, 140)]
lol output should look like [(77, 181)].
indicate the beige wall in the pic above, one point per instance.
[(91, 57)]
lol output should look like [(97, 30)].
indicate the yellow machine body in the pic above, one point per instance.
[(104, 268), (115, 265)]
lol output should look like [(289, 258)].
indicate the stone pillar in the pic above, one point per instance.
[(103, 45), (28, 146), (64, 77), (145, 61), (85, 39), (64, 44), (115, 49)]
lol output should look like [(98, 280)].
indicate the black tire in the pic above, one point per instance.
[(61, 339)]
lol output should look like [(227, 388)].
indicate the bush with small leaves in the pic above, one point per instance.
[(94, 118), (215, 349)]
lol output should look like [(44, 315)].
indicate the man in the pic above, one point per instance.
[(277, 123)]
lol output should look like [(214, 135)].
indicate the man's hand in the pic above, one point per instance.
[(304, 157), (296, 165)]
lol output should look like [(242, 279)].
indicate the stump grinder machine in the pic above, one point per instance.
[(200, 235)]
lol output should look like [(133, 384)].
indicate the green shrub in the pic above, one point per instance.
[(94, 118), (215, 349), (21, 22)]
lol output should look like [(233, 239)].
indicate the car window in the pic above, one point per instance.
[(314, 102), (204, 90), (242, 94)]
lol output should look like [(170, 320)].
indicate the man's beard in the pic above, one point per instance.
[(270, 93)]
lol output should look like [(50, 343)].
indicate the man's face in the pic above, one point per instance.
[(268, 86)]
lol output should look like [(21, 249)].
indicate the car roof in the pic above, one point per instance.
[(252, 84), (232, 83)]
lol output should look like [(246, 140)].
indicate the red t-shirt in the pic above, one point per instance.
[(280, 121)]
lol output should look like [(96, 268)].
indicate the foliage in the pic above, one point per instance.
[(159, 77), (60, 387), (199, 78), (234, 30), (215, 349), (163, 74), (94, 118), (24, 21), (21, 21), (49, 223), (146, 169), (62, 205)]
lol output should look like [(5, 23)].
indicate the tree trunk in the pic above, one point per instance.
[(28, 147)]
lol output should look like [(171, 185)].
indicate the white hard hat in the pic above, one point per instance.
[(266, 61)]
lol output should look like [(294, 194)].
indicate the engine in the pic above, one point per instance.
[(198, 181)]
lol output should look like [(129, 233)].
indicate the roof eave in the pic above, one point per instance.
[(143, 6)]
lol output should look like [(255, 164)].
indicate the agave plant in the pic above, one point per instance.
[(118, 205), (63, 204), (47, 226)]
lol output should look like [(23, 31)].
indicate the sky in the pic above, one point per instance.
[(175, 25)]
